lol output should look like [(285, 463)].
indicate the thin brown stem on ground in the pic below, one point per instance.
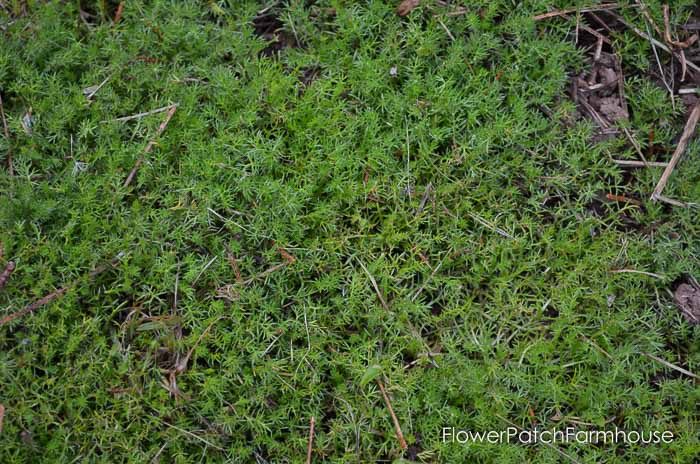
[(671, 365), (141, 115), (394, 419), (553, 14), (309, 447), (150, 145), (56, 294), (118, 13), (687, 134), (653, 41), (639, 164)]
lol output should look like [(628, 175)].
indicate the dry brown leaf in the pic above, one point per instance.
[(406, 7), (6, 273), (688, 300)]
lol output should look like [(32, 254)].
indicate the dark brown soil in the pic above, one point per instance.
[(270, 27)]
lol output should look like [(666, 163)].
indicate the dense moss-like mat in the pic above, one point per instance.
[(343, 196)]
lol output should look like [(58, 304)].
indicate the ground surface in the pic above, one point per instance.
[(313, 147)]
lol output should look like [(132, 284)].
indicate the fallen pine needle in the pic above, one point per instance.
[(422, 287), (397, 426), (623, 199), (187, 432), (670, 365), (2, 415), (552, 14), (640, 164), (150, 145), (634, 271), (449, 34), (688, 133), (673, 202), (490, 226), (204, 269), (309, 447), (374, 284), (634, 143), (141, 115)]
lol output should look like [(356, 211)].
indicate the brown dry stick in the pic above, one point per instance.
[(688, 133)]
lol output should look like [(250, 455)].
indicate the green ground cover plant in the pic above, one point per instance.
[(344, 197)]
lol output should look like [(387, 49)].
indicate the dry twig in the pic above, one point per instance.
[(588, 29), (649, 20), (673, 202), (639, 164), (119, 12), (141, 115), (182, 364), (645, 12), (422, 287), (90, 92), (397, 426), (634, 142), (309, 447), (552, 14), (449, 34), (667, 33), (688, 133), (677, 45), (653, 41)]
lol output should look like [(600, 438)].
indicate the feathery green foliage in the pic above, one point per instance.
[(481, 217)]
